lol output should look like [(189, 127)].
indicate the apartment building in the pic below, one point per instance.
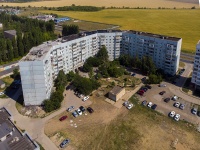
[(41, 65), (196, 70), (164, 50)]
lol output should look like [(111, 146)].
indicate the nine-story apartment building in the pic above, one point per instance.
[(41, 65)]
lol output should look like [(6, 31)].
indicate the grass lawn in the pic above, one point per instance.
[(181, 64), (178, 23)]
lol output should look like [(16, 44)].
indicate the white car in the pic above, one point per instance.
[(177, 104), (1, 93), (162, 85), (129, 106), (174, 97), (177, 117), (150, 104), (79, 112), (172, 114), (85, 98)]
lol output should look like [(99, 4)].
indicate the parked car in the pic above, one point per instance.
[(141, 93), (144, 103), (85, 98), (177, 104), (82, 108), (133, 74), (172, 114), (166, 100), (154, 106), (79, 112), (1, 93), (148, 86), (194, 111), (90, 110), (150, 104), (177, 117), (63, 118), (128, 104), (174, 97), (182, 106), (75, 114), (198, 113), (70, 108), (144, 89), (162, 85), (144, 79), (64, 143), (163, 92)]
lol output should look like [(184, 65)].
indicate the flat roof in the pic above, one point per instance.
[(116, 90), (39, 52), (16, 141), (13, 32), (1, 82), (155, 35), (5, 72)]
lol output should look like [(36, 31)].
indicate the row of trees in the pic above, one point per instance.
[(69, 29), (56, 97), (145, 65), (79, 8), (30, 32)]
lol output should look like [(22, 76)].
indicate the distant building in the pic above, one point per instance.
[(10, 34), (43, 17), (1, 25), (196, 69), (2, 84), (116, 93), (58, 20), (11, 137)]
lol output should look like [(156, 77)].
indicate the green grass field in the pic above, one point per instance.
[(178, 22)]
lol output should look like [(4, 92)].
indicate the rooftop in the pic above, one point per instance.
[(12, 32), (38, 52), (155, 35), (116, 90), (16, 141)]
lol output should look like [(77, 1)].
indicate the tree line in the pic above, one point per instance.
[(79, 8), (30, 32)]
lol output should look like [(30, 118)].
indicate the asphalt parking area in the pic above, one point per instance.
[(152, 95)]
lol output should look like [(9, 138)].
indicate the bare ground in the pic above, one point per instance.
[(112, 128)]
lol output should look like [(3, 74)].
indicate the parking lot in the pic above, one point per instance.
[(152, 95)]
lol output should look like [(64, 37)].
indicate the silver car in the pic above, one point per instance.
[(64, 143)]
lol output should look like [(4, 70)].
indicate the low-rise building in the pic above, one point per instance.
[(11, 138), (116, 93), (10, 34)]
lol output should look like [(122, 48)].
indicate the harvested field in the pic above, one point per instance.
[(112, 128), (118, 3), (178, 23)]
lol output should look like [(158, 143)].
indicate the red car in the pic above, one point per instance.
[(141, 93), (63, 118)]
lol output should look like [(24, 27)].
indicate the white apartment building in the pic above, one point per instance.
[(196, 70), (42, 64), (164, 50)]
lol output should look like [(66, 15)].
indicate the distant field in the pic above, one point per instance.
[(179, 23), (116, 3)]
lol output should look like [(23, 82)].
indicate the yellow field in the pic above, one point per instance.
[(179, 23), (116, 3)]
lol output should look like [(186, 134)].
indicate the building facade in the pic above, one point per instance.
[(196, 70), (42, 64)]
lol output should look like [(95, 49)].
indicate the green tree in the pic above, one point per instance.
[(26, 43), (15, 49), (103, 54), (20, 44), (3, 50), (10, 50), (69, 30)]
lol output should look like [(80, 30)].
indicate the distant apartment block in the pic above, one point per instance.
[(196, 70), (10, 136), (41, 65)]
